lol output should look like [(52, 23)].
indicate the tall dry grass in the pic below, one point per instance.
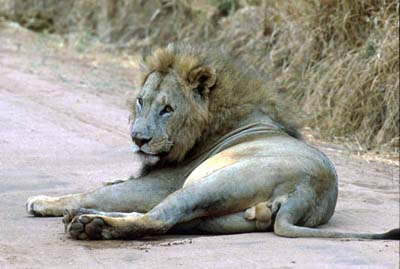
[(339, 60)]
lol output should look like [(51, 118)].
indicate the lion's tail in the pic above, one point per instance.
[(295, 208), (290, 230)]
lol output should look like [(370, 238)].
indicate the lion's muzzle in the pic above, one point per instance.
[(140, 139), (149, 145)]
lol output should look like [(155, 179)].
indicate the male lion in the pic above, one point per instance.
[(222, 156)]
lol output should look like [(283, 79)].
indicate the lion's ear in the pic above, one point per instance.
[(203, 77)]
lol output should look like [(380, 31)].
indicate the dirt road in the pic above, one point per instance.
[(63, 128)]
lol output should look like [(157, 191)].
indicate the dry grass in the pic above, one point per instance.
[(338, 59), (341, 62)]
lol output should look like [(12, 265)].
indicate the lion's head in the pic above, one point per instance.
[(192, 94), (171, 108)]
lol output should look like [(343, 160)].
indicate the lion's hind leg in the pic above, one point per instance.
[(258, 218), (86, 223), (70, 214), (255, 219), (89, 223)]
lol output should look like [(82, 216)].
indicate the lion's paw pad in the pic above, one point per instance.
[(84, 227)]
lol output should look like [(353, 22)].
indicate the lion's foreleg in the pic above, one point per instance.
[(46, 206), (139, 195)]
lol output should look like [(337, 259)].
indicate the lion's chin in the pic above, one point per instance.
[(146, 158)]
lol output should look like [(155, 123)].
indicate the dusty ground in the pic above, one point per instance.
[(63, 128)]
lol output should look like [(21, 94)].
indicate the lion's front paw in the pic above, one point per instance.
[(43, 206)]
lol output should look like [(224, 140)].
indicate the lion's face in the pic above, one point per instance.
[(170, 115)]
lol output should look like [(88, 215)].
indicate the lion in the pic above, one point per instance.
[(221, 154)]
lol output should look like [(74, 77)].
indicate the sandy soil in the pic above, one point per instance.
[(63, 128)]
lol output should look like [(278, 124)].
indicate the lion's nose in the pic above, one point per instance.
[(139, 139)]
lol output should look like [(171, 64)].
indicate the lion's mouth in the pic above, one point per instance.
[(145, 151), (141, 150), (148, 158)]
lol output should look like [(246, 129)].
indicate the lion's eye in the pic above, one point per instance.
[(166, 110), (139, 103)]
